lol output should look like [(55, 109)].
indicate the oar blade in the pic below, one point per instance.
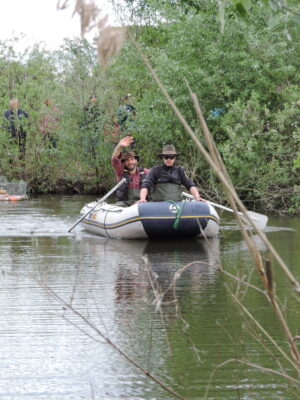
[(260, 220)]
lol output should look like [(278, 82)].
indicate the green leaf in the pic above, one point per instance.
[(274, 21), (242, 6), (274, 5), (296, 19)]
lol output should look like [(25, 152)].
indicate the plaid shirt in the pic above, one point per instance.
[(135, 178)]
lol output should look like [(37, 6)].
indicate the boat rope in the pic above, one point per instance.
[(104, 224), (178, 213)]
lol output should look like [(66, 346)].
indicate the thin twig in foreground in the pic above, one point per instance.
[(108, 341)]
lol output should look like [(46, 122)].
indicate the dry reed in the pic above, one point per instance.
[(68, 306), (109, 44), (110, 39)]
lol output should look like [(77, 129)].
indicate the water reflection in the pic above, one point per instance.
[(162, 267), (234, 243), (186, 265), (148, 296)]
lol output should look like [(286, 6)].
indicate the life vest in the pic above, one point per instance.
[(127, 194)]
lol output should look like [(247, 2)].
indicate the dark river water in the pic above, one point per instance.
[(83, 317)]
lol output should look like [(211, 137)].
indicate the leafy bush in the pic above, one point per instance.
[(246, 79)]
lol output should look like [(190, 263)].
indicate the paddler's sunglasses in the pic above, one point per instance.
[(169, 157)]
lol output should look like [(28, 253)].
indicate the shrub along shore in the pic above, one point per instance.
[(246, 78)]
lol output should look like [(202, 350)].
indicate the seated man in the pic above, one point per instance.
[(126, 166), (165, 180)]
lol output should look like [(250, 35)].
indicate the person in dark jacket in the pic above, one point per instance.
[(89, 123), (126, 166), (164, 181), (127, 115), (16, 124)]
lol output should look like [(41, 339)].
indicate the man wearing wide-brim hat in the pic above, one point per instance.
[(164, 181), (126, 166)]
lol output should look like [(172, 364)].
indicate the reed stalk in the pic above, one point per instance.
[(214, 159), (264, 268), (228, 188), (95, 329)]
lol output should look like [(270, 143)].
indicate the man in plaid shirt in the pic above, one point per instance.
[(126, 166)]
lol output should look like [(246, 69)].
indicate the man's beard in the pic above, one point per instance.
[(131, 167)]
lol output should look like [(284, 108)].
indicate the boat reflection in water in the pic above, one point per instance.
[(174, 267), (159, 268), (162, 267)]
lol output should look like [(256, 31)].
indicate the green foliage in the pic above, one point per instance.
[(297, 162), (260, 150), (251, 74), (155, 10), (68, 78), (247, 81)]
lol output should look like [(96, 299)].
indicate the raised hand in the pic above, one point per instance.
[(126, 141)]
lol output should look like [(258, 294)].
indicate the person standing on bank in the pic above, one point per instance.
[(48, 124), (16, 124), (126, 166), (127, 114), (164, 181)]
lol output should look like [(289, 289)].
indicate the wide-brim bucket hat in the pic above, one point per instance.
[(168, 150), (128, 154)]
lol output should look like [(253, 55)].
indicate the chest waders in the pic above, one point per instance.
[(127, 195), (166, 191), (133, 195)]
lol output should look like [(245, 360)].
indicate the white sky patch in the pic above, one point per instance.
[(40, 21)]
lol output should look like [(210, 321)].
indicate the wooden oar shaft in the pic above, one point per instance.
[(98, 202)]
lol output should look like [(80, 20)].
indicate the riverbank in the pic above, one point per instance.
[(91, 186)]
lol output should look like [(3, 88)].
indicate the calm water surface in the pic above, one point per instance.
[(185, 328)]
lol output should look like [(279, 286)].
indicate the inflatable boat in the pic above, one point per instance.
[(166, 219), (12, 197), (12, 191)]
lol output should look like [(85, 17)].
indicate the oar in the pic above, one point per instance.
[(98, 202), (259, 219)]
